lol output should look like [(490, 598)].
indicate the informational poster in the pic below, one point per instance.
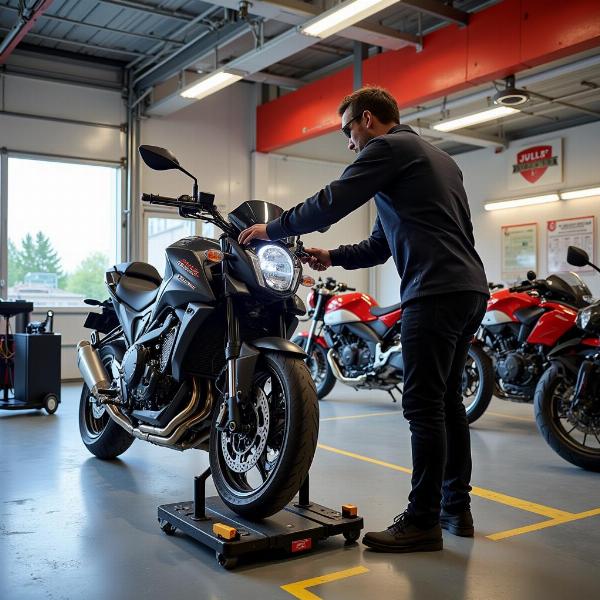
[(519, 251), (563, 233), (535, 164)]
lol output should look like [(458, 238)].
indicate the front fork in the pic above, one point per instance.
[(317, 317)]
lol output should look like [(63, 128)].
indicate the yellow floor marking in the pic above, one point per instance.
[(374, 461), (538, 509), (495, 414), (298, 589), (377, 414), (502, 535), (555, 515)]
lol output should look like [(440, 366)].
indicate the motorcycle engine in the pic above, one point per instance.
[(518, 368), (354, 354), (146, 372)]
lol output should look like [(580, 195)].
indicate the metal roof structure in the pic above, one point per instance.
[(153, 42)]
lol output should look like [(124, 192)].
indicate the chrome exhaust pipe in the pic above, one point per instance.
[(338, 374), (91, 368), (180, 427)]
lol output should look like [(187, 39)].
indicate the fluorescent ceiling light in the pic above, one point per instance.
[(211, 84), (342, 16), (474, 119), (516, 202), (584, 193)]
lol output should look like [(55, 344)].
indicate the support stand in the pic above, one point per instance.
[(296, 528)]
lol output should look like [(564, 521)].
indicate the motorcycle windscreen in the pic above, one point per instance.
[(254, 212), (572, 287)]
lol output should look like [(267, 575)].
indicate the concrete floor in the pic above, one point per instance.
[(74, 527)]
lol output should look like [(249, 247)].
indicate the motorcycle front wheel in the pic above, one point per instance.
[(478, 383), (259, 469), (572, 432), (319, 368)]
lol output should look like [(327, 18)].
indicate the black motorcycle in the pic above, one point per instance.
[(567, 397), (201, 358)]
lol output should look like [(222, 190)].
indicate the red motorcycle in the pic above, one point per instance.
[(521, 326), (355, 341), (567, 397)]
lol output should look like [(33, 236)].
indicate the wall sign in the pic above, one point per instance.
[(534, 165), (519, 251), (563, 233)]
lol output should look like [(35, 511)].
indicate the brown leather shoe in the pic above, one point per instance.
[(404, 536)]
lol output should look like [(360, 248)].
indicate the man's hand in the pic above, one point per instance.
[(319, 259), (256, 232)]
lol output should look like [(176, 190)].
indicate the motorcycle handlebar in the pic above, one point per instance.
[(166, 200)]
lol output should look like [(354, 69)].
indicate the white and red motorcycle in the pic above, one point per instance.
[(354, 340)]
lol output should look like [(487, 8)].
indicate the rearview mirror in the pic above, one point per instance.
[(159, 159), (577, 257)]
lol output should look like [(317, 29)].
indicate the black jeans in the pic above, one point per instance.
[(436, 333)]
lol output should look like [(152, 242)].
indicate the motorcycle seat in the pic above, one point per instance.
[(138, 285), (528, 316), (379, 311)]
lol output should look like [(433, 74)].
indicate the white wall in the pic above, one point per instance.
[(486, 180), (212, 140), (287, 181)]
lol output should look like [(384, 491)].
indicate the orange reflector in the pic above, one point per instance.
[(225, 531), (307, 281), (214, 256), (349, 511)]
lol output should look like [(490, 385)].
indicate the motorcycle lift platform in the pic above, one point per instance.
[(295, 529)]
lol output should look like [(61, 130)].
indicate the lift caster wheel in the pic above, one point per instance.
[(50, 403), (167, 527), (227, 563), (351, 536)]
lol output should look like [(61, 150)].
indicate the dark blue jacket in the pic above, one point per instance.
[(423, 217)]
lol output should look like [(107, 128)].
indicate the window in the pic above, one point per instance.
[(63, 230)]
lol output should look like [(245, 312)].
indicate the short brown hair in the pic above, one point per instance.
[(374, 99)]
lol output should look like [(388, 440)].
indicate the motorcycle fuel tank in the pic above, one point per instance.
[(349, 308), (552, 325), (501, 307), (187, 275)]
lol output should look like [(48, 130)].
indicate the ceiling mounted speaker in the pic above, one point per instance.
[(510, 95)]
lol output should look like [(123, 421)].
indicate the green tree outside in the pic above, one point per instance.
[(35, 256), (88, 277)]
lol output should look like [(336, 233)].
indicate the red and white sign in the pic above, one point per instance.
[(535, 164)]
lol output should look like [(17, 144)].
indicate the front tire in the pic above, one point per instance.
[(478, 383), (284, 437), (553, 395), (319, 368), (100, 434)]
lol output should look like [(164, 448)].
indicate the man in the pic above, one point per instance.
[(423, 221)]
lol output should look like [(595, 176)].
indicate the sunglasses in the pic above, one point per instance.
[(348, 126)]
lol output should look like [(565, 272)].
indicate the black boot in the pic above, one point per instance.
[(459, 524), (404, 536)]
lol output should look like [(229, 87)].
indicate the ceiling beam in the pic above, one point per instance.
[(190, 54), (74, 22), (474, 139), (25, 21), (294, 12), (439, 10), (179, 15)]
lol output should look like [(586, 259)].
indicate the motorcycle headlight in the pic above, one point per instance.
[(583, 318), (277, 267)]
